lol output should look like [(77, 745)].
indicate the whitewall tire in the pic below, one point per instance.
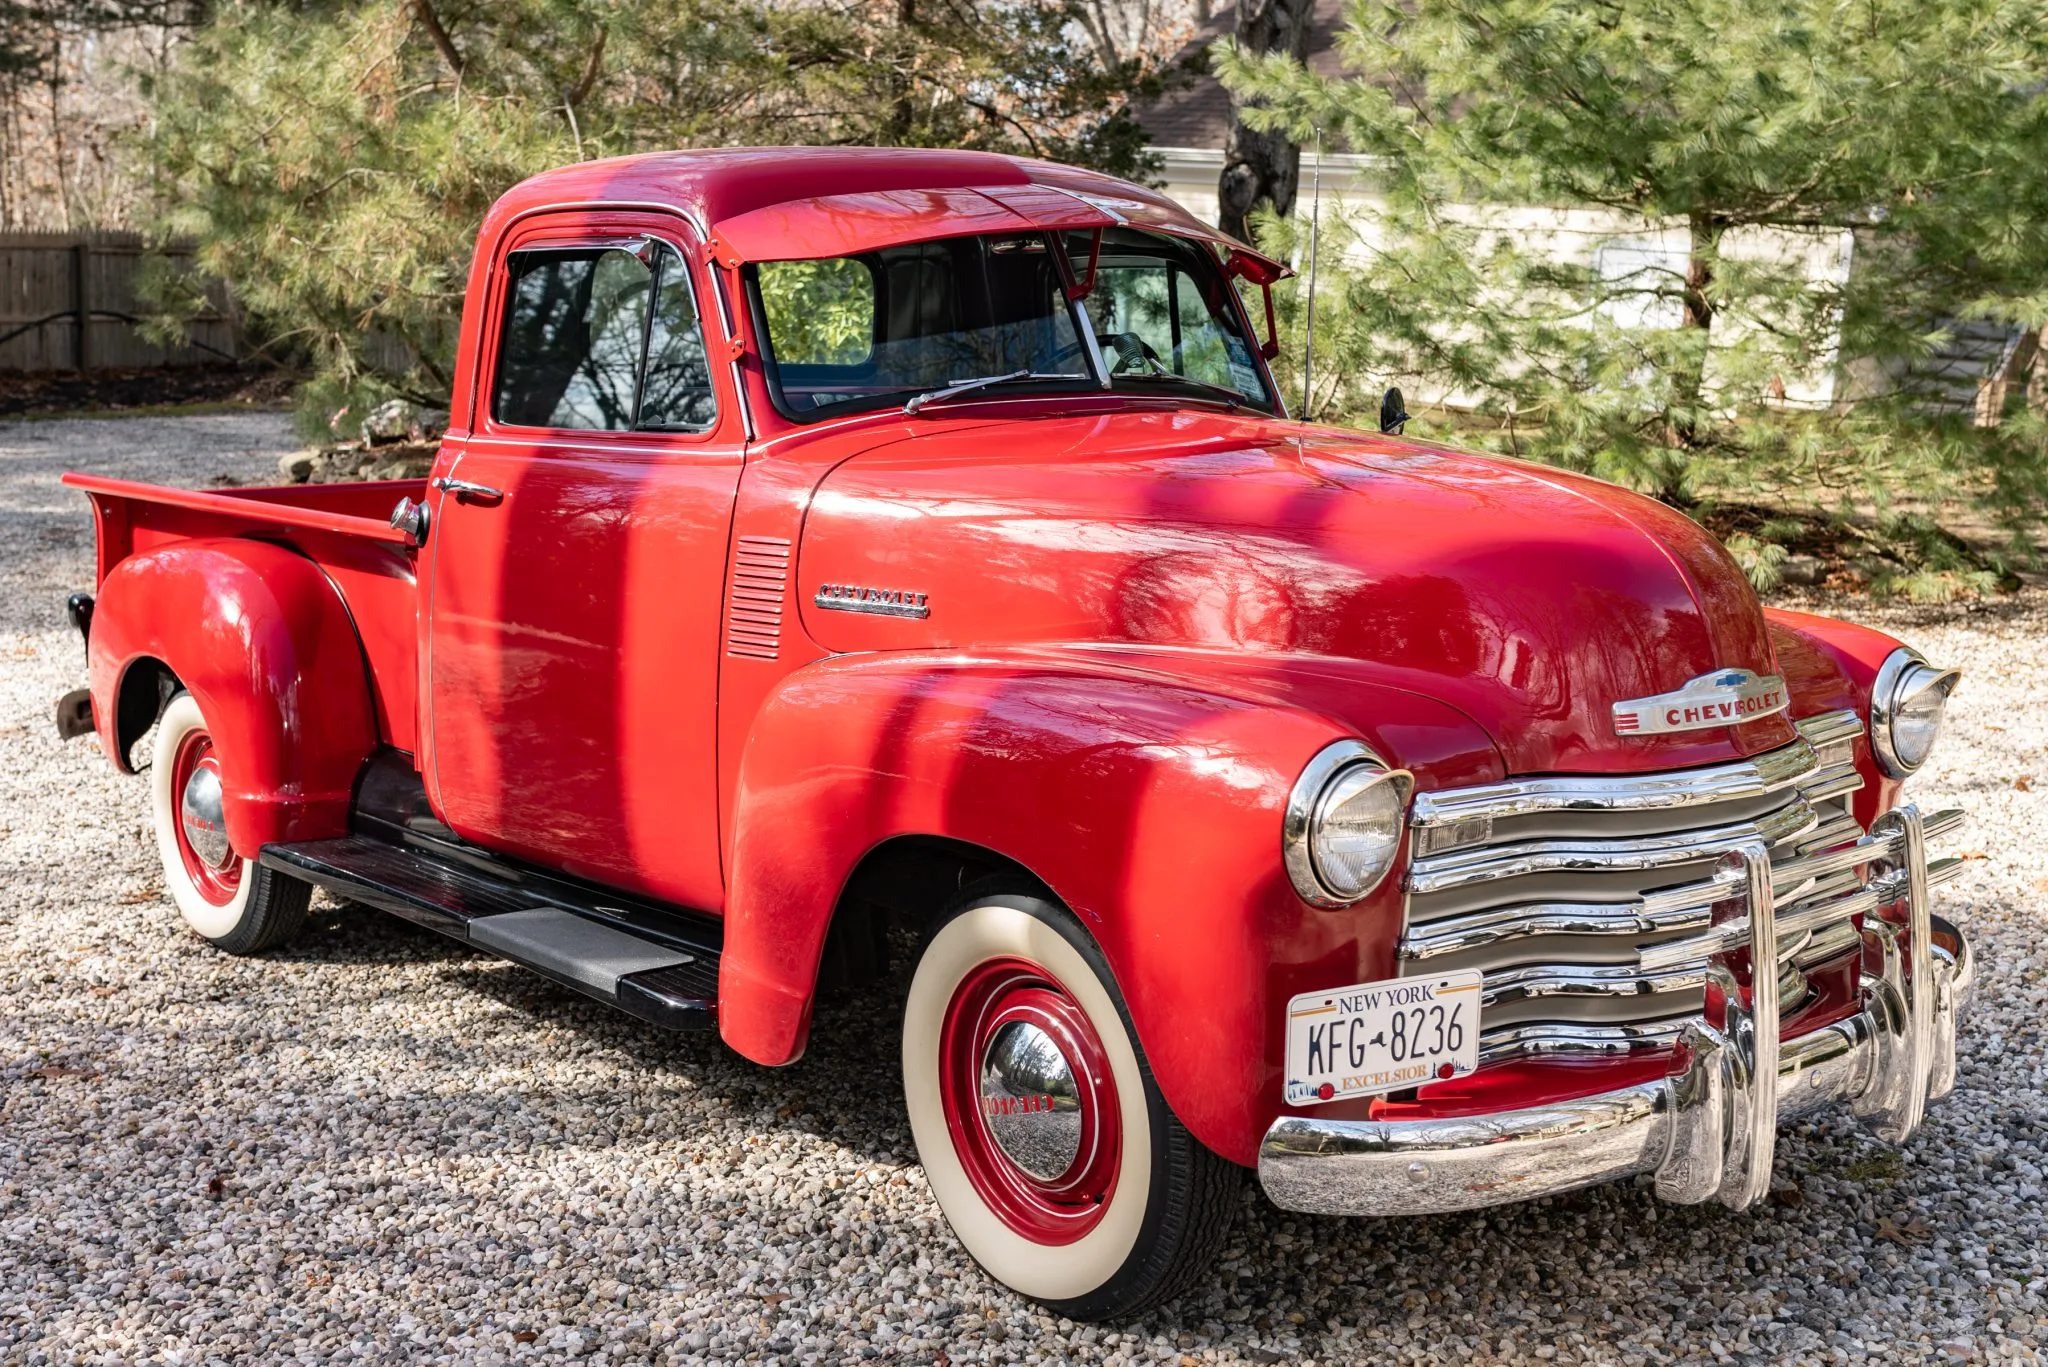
[(236, 905), (1041, 1130)]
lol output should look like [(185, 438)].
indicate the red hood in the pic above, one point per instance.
[(1528, 598)]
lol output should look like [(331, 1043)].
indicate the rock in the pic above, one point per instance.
[(1801, 569), (297, 466), (397, 420), (389, 421)]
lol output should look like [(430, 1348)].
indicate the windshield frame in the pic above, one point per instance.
[(1098, 382)]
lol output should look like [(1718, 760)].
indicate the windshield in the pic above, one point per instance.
[(878, 329)]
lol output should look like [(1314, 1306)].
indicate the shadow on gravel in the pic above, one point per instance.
[(349, 934), (1318, 1280), (847, 1089)]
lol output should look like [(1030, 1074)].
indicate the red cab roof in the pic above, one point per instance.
[(796, 203)]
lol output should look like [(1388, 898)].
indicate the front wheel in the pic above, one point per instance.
[(234, 904), (1046, 1141)]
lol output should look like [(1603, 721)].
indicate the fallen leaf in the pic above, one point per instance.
[(525, 1336), (137, 896), (774, 1298), (1912, 1231), (1973, 854), (2024, 783), (54, 1071), (215, 1187), (104, 991)]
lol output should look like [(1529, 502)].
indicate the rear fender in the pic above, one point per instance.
[(260, 637), (1150, 804)]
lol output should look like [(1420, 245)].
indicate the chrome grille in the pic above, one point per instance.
[(1588, 902)]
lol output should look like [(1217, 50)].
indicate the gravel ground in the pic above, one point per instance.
[(379, 1145)]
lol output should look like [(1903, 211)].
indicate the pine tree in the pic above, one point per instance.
[(332, 161), (1747, 129)]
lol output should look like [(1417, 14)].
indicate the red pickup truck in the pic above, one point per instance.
[(832, 549)]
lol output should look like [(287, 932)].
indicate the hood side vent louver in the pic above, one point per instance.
[(760, 583)]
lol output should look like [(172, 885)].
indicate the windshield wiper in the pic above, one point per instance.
[(918, 402)]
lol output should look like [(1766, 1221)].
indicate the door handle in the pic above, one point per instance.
[(464, 490)]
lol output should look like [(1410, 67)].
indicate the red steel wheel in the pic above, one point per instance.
[(239, 906), (1030, 1100), (1043, 1136), (202, 832)]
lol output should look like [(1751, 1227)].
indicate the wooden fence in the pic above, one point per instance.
[(68, 302)]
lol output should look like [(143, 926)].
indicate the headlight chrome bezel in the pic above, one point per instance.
[(1306, 808), (1904, 676)]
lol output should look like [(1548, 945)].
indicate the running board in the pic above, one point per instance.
[(652, 962)]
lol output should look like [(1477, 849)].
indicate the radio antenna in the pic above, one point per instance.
[(1315, 223)]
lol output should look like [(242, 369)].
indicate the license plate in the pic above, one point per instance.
[(1381, 1037)]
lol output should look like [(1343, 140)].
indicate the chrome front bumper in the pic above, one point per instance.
[(1708, 1131)]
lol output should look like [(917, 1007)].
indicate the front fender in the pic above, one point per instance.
[(1147, 799), (1831, 665), (262, 640)]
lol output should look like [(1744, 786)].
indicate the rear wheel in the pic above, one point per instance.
[(1045, 1139), (234, 904)]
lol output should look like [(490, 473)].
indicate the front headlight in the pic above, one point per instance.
[(1906, 708), (1343, 825)]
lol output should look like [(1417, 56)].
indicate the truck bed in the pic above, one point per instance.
[(143, 515), (344, 528)]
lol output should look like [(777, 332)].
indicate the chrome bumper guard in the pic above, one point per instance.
[(1708, 1131)]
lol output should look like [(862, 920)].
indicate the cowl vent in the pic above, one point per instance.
[(760, 583)]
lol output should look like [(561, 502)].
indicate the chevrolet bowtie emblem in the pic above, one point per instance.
[(1726, 697)]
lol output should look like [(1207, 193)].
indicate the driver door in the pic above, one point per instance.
[(578, 566)]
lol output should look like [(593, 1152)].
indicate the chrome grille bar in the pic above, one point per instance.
[(1750, 778), (1561, 1037), (1440, 873), (1667, 911), (1879, 891), (1662, 913)]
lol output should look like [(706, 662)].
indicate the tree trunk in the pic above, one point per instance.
[(430, 20), (1262, 168), (1704, 251), (2037, 373), (902, 111)]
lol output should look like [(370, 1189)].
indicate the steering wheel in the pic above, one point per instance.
[(1133, 354)]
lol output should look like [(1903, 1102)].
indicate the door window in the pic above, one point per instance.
[(603, 339)]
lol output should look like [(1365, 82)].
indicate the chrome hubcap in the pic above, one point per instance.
[(199, 813), (1029, 1097)]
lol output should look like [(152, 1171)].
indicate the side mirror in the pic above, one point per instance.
[(1393, 413)]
